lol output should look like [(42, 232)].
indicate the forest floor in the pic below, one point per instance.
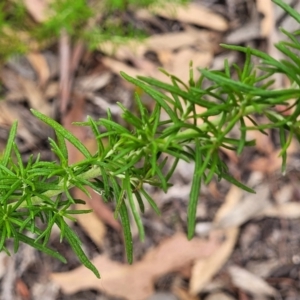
[(246, 246)]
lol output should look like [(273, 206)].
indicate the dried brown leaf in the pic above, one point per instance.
[(37, 9), (170, 41), (265, 7), (263, 268), (40, 65), (35, 96), (251, 206), (289, 210), (93, 82), (204, 269), (219, 296), (250, 283), (136, 282), (180, 62), (183, 294), (245, 33), (196, 14)]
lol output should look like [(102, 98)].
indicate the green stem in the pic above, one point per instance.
[(90, 174)]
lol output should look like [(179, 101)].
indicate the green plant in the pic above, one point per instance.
[(93, 21), (39, 190)]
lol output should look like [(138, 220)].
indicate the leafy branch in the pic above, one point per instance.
[(149, 152)]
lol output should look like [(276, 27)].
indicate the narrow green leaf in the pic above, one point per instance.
[(120, 201), (134, 211), (9, 144), (113, 125), (58, 151), (47, 231), (243, 136), (283, 153), (292, 12), (64, 132), (164, 184), (25, 239), (141, 107), (123, 213), (153, 157), (237, 183), (73, 240), (96, 133), (78, 212), (191, 77), (131, 118), (155, 118), (116, 188), (172, 169), (195, 191), (19, 159), (3, 238), (133, 160), (140, 201), (159, 97), (150, 201), (246, 68), (105, 179), (213, 166), (268, 60), (176, 90), (62, 145)]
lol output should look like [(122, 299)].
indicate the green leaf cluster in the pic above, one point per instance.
[(36, 196)]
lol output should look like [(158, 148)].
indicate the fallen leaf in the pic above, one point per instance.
[(219, 296), (204, 269), (35, 96), (40, 65), (251, 206), (290, 210), (249, 282), (183, 294), (162, 296), (245, 33), (37, 9), (10, 78), (93, 82), (8, 114), (170, 41), (263, 268), (179, 63), (266, 8), (22, 289), (195, 14), (136, 282), (115, 66)]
